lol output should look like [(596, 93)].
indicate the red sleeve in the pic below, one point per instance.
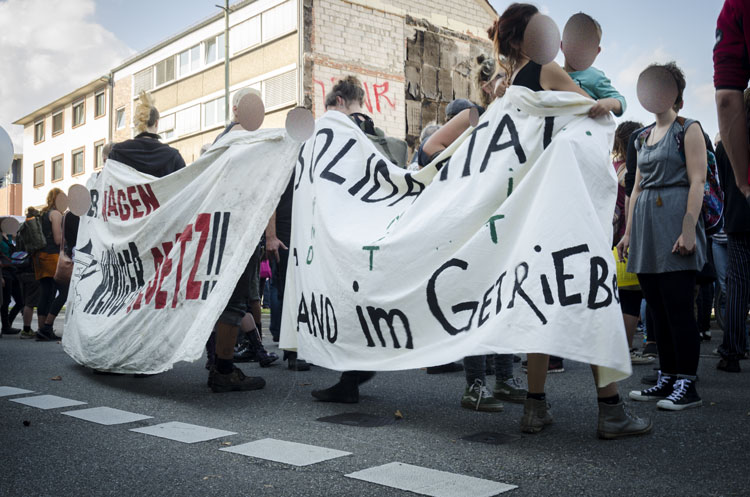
[(731, 62)]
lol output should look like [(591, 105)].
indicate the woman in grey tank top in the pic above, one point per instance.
[(666, 242)]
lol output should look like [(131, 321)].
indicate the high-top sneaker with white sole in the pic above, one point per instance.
[(664, 386), (684, 396)]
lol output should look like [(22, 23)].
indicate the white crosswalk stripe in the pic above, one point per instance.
[(293, 453)]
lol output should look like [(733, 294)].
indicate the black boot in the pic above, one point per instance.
[(294, 363), (211, 350), (244, 351), (263, 357), (346, 391)]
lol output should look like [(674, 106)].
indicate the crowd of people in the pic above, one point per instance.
[(667, 257)]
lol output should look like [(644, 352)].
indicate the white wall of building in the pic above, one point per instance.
[(86, 135)]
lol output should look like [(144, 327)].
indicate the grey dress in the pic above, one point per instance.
[(657, 224)]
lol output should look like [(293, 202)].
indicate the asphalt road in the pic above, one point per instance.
[(700, 452)]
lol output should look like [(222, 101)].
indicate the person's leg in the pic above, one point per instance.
[(57, 304), (677, 299), (46, 297), (614, 421), (738, 292), (17, 295), (658, 327), (476, 395), (225, 376), (507, 386), (536, 414), (5, 303), (346, 391)]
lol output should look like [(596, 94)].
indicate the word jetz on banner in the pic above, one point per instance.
[(501, 245), (158, 258)]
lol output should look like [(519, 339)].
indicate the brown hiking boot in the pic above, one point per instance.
[(233, 382)]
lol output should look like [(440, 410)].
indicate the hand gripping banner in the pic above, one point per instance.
[(501, 245), (157, 258)]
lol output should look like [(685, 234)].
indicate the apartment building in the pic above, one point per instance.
[(63, 141), (413, 58)]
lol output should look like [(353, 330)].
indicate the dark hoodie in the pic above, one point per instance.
[(145, 153)]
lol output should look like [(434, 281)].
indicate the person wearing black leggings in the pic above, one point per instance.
[(52, 296)]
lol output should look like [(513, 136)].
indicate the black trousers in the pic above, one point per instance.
[(670, 299), (52, 297), (738, 295), (12, 289)]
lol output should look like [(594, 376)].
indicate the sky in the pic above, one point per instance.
[(51, 47)]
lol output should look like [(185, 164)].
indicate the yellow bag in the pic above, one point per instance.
[(625, 280)]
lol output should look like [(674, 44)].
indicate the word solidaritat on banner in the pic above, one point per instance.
[(501, 245)]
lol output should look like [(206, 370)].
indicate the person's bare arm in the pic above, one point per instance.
[(733, 128), (273, 244), (624, 245), (554, 77), (695, 157), (55, 219), (605, 106), (446, 135)]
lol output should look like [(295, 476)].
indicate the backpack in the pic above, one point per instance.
[(713, 196), (31, 236)]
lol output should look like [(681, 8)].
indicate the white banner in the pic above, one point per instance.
[(391, 269), (158, 258)]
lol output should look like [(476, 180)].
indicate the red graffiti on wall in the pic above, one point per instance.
[(379, 91)]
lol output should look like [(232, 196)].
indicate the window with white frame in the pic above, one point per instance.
[(190, 60), (279, 20), (165, 71), (280, 90), (245, 35), (188, 120), (143, 81), (166, 126), (120, 118), (99, 154), (213, 113), (39, 174), (57, 168), (213, 49)]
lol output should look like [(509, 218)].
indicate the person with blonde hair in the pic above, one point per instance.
[(145, 152), (53, 296)]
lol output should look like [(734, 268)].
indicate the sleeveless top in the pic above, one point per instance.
[(51, 247), (660, 208), (529, 76)]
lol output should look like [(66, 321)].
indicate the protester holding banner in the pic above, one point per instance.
[(666, 244), (53, 296), (145, 152), (507, 35)]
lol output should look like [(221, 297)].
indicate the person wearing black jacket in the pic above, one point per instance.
[(145, 153), (737, 228)]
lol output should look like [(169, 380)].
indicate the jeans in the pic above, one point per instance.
[(475, 367), (278, 281)]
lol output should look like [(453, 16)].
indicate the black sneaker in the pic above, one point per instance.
[(233, 382), (683, 396), (729, 364), (10, 331), (663, 388), (245, 352), (650, 350), (46, 334), (706, 335)]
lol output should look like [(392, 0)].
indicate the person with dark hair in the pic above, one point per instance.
[(53, 295), (507, 35), (631, 296), (666, 244), (145, 153), (347, 96), (737, 228)]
